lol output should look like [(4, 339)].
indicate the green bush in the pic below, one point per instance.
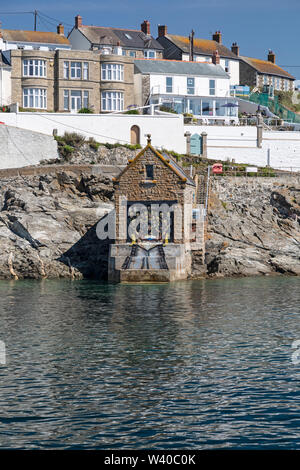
[(73, 139), (167, 109), (86, 111), (93, 144), (132, 111)]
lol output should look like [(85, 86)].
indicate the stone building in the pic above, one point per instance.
[(257, 72), (129, 42), (154, 200), (68, 80)]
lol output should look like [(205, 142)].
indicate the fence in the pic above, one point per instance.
[(275, 107), (265, 172)]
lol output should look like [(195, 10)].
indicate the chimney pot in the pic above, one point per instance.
[(60, 29), (145, 27), (217, 37), (162, 30), (78, 21)]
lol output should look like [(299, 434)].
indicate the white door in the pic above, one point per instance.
[(75, 101)]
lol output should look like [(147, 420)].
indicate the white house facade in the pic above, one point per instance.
[(5, 81), (196, 88)]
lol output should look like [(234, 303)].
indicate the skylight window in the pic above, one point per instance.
[(128, 36)]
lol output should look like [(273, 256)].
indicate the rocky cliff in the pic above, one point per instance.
[(47, 225), (254, 226), (48, 221)]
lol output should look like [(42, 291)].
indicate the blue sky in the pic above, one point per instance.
[(257, 25)]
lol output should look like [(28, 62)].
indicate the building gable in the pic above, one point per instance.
[(163, 182)]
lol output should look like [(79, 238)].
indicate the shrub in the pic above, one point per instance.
[(93, 143), (73, 139), (86, 111), (167, 109), (66, 151), (132, 111)]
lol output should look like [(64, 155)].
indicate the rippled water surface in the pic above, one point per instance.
[(192, 365)]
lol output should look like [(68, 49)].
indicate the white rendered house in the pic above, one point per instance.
[(201, 89)]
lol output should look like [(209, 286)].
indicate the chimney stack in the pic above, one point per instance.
[(191, 46), (216, 58), (235, 48), (162, 30), (145, 27), (60, 29), (217, 37), (78, 21), (271, 56)]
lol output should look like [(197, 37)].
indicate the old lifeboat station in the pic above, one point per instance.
[(157, 220)]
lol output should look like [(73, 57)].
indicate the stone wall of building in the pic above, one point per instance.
[(165, 186), (55, 82)]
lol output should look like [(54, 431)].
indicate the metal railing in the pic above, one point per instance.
[(264, 172)]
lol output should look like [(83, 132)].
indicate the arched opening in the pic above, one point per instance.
[(135, 135)]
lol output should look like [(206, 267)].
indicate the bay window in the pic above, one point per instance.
[(112, 101), (113, 72), (35, 98), (34, 68)]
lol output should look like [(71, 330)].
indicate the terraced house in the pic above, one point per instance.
[(199, 50), (257, 72), (127, 42), (65, 80)]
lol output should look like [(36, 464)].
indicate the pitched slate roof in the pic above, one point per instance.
[(266, 67), (166, 159), (45, 37), (179, 67), (201, 46), (126, 37)]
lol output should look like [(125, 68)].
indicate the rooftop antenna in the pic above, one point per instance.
[(35, 19)]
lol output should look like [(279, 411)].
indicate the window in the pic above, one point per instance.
[(286, 85), (66, 100), (207, 108), (85, 99), (112, 101), (34, 68), (278, 83), (227, 66), (190, 86), (132, 54), (265, 80), (76, 99), (76, 70), (212, 87), (114, 72), (85, 70), (148, 54), (35, 98), (169, 84), (66, 69), (128, 36), (149, 172)]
